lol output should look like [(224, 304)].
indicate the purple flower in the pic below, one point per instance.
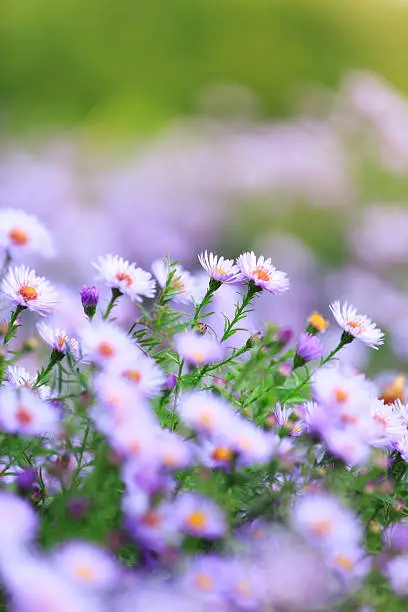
[(308, 348), (199, 516), (89, 299), (26, 479)]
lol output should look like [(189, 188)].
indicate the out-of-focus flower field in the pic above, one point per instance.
[(203, 306)]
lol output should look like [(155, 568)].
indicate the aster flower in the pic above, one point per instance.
[(24, 412), (119, 274), (18, 377), (324, 521), (182, 286), (27, 290), (206, 412), (87, 564), (140, 371), (21, 233), (197, 349), (356, 325), (397, 573), (58, 340), (18, 522), (389, 423), (199, 516), (220, 269), (262, 273), (103, 342)]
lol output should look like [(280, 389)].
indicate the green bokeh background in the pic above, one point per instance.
[(125, 67)]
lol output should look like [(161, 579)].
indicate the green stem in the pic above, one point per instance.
[(115, 294), (309, 376), (240, 310), (212, 288), (11, 329), (56, 357)]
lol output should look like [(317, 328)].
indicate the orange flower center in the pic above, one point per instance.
[(133, 375), (18, 236), (61, 341), (197, 520), (169, 460), (356, 325), (122, 276), (106, 350), (204, 581), (178, 284), (206, 420), (344, 562), (341, 396), (322, 527), (221, 454), (348, 418), (243, 588), (23, 416), (197, 356), (84, 572), (28, 293), (262, 274)]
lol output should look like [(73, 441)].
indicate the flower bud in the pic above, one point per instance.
[(89, 299), (316, 324), (308, 348), (394, 391)]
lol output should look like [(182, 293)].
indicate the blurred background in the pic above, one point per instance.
[(166, 127)]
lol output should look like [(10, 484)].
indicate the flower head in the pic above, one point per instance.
[(24, 412), (87, 564), (119, 274), (220, 269), (18, 377), (197, 349), (57, 339), (357, 325), (21, 233), (26, 289), (199, 516), (317, 323), (262, 273), (308, 348), (89, 300), (103, 342), (140, 371), (182, 287)]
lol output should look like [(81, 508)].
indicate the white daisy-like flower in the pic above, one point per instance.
[(263, 273), (119, 274), (140, 371), (25, 288), (389, 423), (58, 339), (183, 285), (103, 342), (24, 412), (220, 269), (198, 350), (18, 377), (21, 233), (357, 325), (87, 564)]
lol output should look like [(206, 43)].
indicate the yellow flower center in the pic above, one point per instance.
[(197, 520), (321, 528), (84, 572), (204, 581), (133, 375), (18, 236), (344, 562), (262, 274), (28, 293), (221, 454), (206, 420), (122, 276), (105, 349), (341, 396)]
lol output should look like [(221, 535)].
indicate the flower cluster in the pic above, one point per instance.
[(164, 457)]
